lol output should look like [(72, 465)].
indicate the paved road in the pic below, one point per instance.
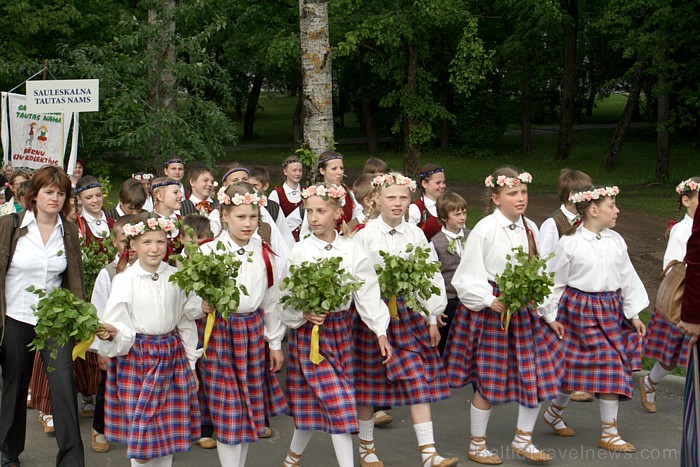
[(657, 437)]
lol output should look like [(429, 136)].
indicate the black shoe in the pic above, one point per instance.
[(7, 462)]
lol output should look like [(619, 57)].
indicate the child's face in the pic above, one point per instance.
[(2, 197), (393, 203), (435, 186), (18, 181), (130, 209), (259, 186), (146, 185), (241, 222), (511, 201), (235, 177), (170, 196), (333, 171), (150, 247), (92, 200), (604, 213), (455, 220), (322, 217), (203, 186), (293, 172), (121, 243), (691, 204), (175, 171)]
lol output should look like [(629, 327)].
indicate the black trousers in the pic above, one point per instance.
[(16, 373), (98, 421), (452, 305)]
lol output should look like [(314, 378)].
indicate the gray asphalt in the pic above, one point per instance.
[(656, 436)]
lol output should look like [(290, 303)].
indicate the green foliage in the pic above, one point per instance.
[(524, 281), (211, 276), (320, 286), (408, 276), (62, 316), (96, 255)]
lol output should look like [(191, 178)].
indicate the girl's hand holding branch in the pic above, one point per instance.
[(207, 308), (106, 332), (498, 306), (314, 318)]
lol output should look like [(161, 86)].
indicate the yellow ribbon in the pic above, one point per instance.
[(211, 319), (507, 317), (315, 354), (82, 347), (393, 309)]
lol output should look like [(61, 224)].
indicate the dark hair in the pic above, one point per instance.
[(16, 174), (323, 159), (132, 193), (195, 172), (49, 175), (375, 166), (571, 181), (447, 203), (200, 224), (22, 191), (260, 173)]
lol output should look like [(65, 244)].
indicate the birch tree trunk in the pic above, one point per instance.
[(317, 82), (568, 93)]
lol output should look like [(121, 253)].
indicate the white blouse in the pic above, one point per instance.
[(414, 214), (97, 225), (357, 210), (253, 275), (595, 263), (377, 236), (678, 240), (491, 239), (293, 194), (368, 302), (138, 304)]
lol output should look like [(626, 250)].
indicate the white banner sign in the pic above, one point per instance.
[(76, 95)]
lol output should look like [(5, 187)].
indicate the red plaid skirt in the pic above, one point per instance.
[(665, 343), (151, 398), (414, 375), (235, 377), (322, 397), (513, 366), (600, 349)]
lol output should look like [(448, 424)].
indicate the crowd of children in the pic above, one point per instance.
[(153, 391)]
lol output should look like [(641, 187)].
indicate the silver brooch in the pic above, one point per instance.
[(98, 222), (155, 276), (392, 232), (329, 247), (598, 236), (241, 251), (512, 226)]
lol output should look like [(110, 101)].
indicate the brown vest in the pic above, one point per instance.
[(561, 221), (448, 260)]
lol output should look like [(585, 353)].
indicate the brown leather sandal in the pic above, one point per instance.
[(368, 447), (520, 438), (474, 454), (430, 461), (609, 441), (644, 391), (294, 457), (556, 418)]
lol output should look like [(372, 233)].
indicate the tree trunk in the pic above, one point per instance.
[(316, 74), (590, 102), (297, 117), (568, 93), (526, 113), (252, 106), (446, 102), (663, 135), (623, 123), (411, 150), (367, 111), (162, 83)]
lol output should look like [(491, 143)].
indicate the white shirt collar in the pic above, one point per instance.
[(289, 189), (429, 203), (196, 200), (119, 210), (688, 220), (386, 228), (90, 218), (140, 271), (589, 235), (29, 218), (323, 245), (569, 215), (503, 221), (451, 235)]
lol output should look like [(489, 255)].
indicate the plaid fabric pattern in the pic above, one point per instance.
[(513, 366), (665, 343), (321, 397), (234, 376), (600, 349), (151, 400), (414, 375)]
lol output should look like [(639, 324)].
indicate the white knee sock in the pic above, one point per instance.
[(562, 401), (145, 464), (166, 461), (342, 443), (526, 422), (229, 454), (244, 452), (367, 434), (479, 420), (608, 414), (424, 434), (300, 440), (657, 374)]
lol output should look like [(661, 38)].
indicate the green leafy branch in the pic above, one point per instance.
[(96, 255)]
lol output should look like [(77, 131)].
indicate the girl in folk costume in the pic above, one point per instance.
[(321, 395), (167, 200), (288, 195), (92, 222), (664, 342), (594, 310), (415, 375), (239, 386), (151, 394), (502, 366), (423, 212)]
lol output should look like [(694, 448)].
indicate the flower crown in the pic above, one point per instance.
[(134, 230), (334, 191), (510, 182), (238, 199), (593, 194), (142, 176), (687, 185), (387, 180)]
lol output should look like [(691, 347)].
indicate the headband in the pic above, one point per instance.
[(510, 182), (87, 187), (174, 161), (165, 183), (687, 185), (330, 157), (430, 172), (593, 194), (134, 230), (334, 191), (235, 169), (238, 199), (293, 161), (387, 180)]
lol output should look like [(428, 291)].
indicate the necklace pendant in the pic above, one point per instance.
[(512, 226), (392, 232), (155, 276)]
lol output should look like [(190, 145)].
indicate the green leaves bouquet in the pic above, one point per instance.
[(321, 287), (523, 282), (407, 276), (96, 255)]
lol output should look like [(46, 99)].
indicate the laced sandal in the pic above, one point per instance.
[(520, 438), (87, 408), (430, 460), (47, 422), (474, 454), (368, 451), (206, 442), (99, 442), (294, 457), (556, 419), (644, 391), (582, 396), (609, 441)]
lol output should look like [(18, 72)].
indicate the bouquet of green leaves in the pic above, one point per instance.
[(96, 255), (213, 278), (523, 282), (407, 276), (63, 316), (321, 287)]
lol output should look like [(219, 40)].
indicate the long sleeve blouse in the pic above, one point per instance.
[(355, 261), (678, 240)]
